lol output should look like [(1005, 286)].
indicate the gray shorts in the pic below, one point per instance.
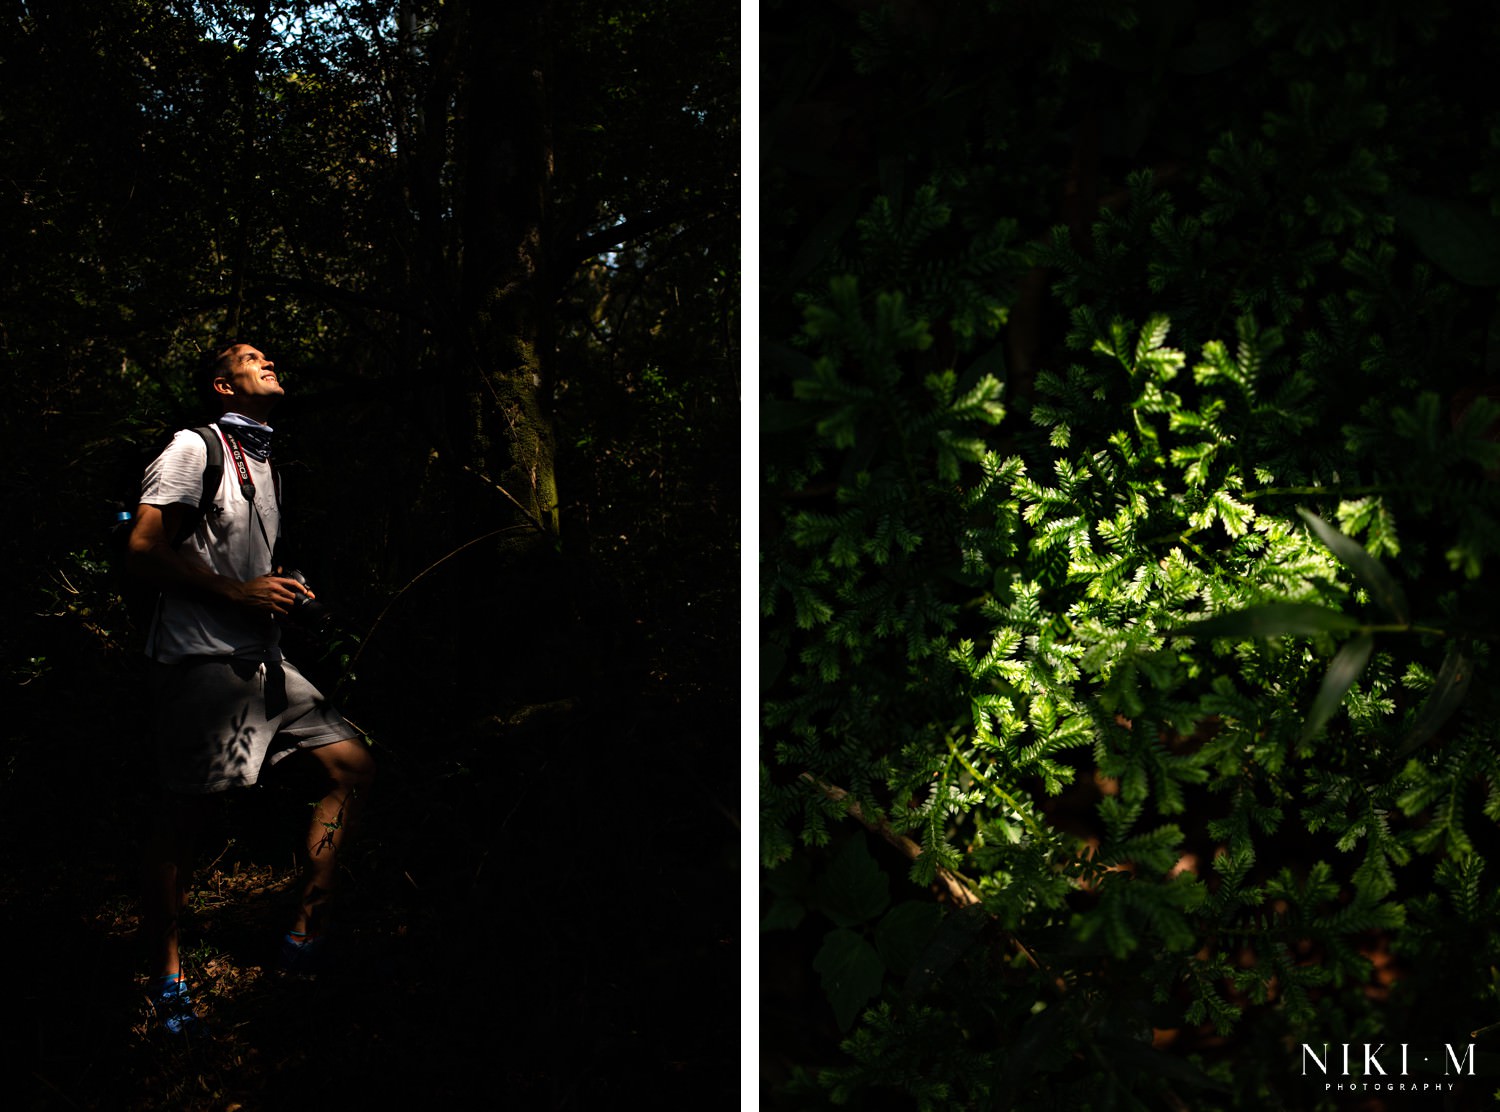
[(219, 721)]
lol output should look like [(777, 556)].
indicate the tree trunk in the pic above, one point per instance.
[(505, 154)]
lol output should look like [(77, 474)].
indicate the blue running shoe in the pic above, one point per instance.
[(174, 1006), (303, 954)]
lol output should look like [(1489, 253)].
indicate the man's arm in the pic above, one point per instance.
[(152, 557)]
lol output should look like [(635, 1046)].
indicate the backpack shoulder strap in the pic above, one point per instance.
[(213, 473), (213, 469)]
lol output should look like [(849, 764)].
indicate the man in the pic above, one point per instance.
[(227, 705)]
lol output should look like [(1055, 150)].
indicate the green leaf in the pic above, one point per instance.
[(851, 973), (784, 913), (1272, 619), (990, 364), (1236, 516), (905, 932), (1460, 238), (1448, 691), (853, 889), (1342, 672), (1153, 335), (1383, 589)]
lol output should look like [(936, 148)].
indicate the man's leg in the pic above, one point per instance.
[(347, 770), (168, 867)]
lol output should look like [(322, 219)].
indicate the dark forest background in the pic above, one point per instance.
[(494, 252)]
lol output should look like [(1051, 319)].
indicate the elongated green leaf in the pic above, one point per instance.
[(1447, 693), (1273, 619), (1383, 589), (1345, 668), (1461, 238)]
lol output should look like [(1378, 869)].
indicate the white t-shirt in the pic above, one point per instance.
[(233, 538)]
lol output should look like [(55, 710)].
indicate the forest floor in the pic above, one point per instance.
[(554, 929)]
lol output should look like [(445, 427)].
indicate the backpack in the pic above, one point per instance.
[(213, 473), (140, 598)]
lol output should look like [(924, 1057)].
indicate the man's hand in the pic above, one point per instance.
[(274, 593), (153, 557)]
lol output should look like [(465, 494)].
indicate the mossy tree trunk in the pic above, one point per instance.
[(498, 406)]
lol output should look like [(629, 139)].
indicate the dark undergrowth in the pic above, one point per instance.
[(541, 911)]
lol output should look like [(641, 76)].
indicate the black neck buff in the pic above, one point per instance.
[(254, 437)]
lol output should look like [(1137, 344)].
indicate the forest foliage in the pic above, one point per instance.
[(493, 250), (1129, 499), (496, 308)]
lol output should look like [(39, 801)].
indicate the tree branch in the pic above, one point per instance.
[(957, 887), (596, 243)]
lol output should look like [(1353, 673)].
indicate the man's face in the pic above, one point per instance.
[(250, 375)]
